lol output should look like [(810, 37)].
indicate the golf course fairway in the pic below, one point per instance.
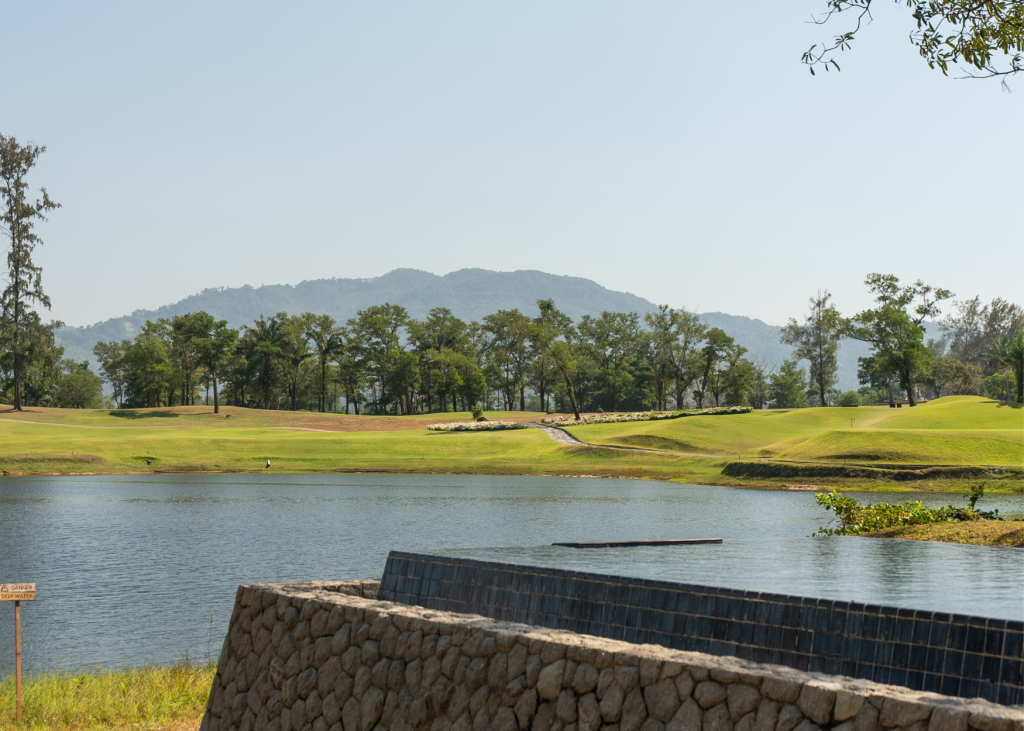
[(967, 437)]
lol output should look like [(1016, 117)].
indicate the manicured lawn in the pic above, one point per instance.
[(957, 431), (902, 447), (955, 412), (42, 449)]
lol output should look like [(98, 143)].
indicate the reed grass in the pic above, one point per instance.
[(171, 697)]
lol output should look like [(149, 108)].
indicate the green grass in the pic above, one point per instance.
[(955, 412), (961, 430), (892, 447), (975, 532), (46, 449), (150, 697), (956, 431)]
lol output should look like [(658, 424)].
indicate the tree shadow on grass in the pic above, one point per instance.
[(1010, 405), (133, 414)]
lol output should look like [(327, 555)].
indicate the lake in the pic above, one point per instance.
[(143, 569)]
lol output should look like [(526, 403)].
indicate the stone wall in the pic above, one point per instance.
[(330, 657)]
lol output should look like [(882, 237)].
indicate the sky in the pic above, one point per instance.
[(677, 151)]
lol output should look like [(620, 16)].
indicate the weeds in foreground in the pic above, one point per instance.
[(102, 698)]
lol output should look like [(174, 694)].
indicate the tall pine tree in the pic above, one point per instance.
[(18, 217)]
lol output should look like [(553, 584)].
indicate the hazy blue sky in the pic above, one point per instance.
[(678, 151)]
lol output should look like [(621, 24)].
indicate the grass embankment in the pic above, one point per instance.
[(162, 698), (963, 435), (977, 532), (960, 431)]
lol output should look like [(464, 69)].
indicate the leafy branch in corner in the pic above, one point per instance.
[(986, 36)]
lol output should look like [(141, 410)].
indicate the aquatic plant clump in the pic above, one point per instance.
[(476, 426), (608, 418), (855, 519)]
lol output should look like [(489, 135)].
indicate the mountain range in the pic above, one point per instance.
[(468, 293)]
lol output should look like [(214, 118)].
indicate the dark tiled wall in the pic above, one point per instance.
[(954, 654)]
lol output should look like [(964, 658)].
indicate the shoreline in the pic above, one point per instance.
[(941, 448), (996, 533), (946, 486)]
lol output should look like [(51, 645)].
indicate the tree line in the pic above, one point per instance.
[(384, 362), (981, 351)]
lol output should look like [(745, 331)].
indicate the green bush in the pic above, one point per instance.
[(855, 518), (872, 396), (850, 398), (478, 411)]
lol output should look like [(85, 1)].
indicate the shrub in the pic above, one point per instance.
[(475, 426), (850, 398), (873, 396), (478, 411), (641, 416), (855, 518)]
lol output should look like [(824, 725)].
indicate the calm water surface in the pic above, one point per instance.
[(130, 569), (974, 580)]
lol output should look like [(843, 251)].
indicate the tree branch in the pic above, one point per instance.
[(982, 31)]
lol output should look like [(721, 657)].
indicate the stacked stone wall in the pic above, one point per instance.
[(330, 657)]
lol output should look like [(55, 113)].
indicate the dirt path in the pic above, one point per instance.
[(564, 437), (156, 426), (234, 417)]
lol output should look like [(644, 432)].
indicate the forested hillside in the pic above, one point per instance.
[(469, 293)]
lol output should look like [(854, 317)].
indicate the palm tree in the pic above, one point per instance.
[(1010, 352), (262, 346), (328, 342)]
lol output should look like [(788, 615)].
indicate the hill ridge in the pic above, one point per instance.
[(470, 293)]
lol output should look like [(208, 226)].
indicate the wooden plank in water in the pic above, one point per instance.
[(627, 544)]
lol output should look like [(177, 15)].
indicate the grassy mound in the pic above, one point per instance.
[(977, 533), (896, 447), (962, 430), (653, 441), (954, 413)]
